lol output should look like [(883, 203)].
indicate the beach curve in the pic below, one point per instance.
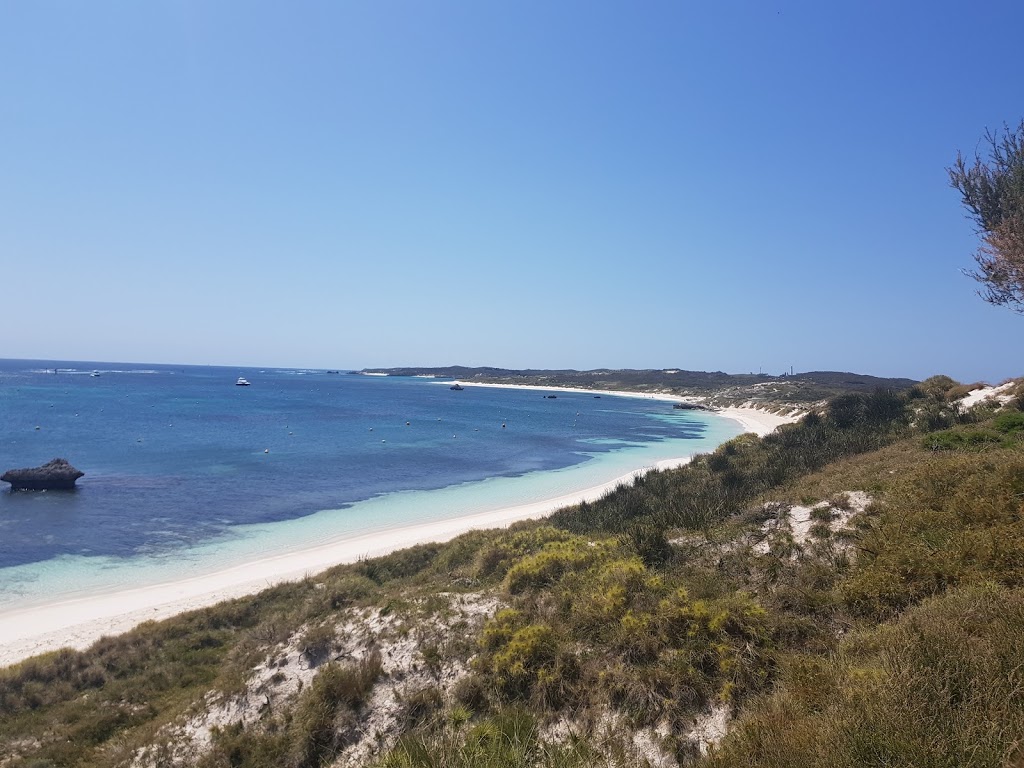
[(79, 622)]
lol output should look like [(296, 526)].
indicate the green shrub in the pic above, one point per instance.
[(506, 740), (495, 558), (471, 692), (317, 642), (342, 591), (598, 599), (650, 543), (420, 705), (530, 652), (960, 440), (937, 386), (554, 560), (952, 519), (526, 661), (402, 564), (1009, 423), (941, 687)]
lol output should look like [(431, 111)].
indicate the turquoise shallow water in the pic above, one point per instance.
[(187, 473)]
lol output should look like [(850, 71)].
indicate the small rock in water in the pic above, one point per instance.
[(56, 475)]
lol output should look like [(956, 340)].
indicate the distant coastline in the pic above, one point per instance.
[(757, 420)]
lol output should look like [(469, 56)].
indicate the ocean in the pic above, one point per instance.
[(187, 473)]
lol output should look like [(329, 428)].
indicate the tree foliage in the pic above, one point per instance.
[(992, 191)]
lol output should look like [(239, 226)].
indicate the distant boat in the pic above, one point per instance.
[(550, 397), (95, 374), (334, 371), (457, 388), (241, 382)]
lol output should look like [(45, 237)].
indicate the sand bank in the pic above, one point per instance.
[(79, 622)]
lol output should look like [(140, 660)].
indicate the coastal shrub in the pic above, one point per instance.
[(322, 722), (77, 702), (1009, 423), (471, 692), (941, 687), (951, 520), (509, 739), (650, 543), (681, 654), (960, 391), (960, 439), (880, 407), (403, 564), (554, 560), (317, 642), (495, 558), (598, 599), (459, 554), (526, 661), (937, 386), (710, 488), (420, 705), (932, 415), (530, 653), (346, 589)]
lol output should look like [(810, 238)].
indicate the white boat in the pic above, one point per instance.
[(241, 382)]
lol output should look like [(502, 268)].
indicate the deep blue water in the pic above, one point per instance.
[(175, 456)]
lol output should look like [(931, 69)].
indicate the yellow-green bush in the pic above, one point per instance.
[(494, 558), (601, 598), (527, 660), (554, 560)]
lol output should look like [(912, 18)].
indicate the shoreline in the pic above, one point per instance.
[(79, 622), (754, 420)]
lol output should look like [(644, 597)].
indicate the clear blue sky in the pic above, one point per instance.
[(712, 186)]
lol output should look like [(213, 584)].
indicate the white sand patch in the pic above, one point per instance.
[(758, 421), (645, 745), (797, 521), (276, 683), (977, 396), (405, 671), (779, 516), (709, 728), (800, 521)]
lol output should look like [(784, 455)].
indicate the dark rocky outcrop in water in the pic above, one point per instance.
[(56, 475)]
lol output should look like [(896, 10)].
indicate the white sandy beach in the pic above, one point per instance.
[(79, 622), (753, 420)]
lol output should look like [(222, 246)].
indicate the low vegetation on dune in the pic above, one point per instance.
[(846, 591)]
